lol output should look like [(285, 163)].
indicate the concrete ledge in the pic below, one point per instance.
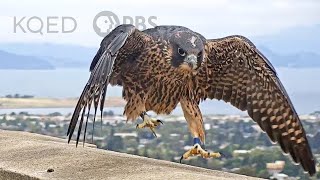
[(29, 156)]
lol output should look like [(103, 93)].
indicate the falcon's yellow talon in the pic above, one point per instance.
[(197, 150), (149, 123)]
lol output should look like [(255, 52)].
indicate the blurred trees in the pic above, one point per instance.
[(173, 140)]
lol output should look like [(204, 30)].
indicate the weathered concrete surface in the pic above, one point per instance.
[(29, 156)]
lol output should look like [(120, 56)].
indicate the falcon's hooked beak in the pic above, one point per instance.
[(191, 61)]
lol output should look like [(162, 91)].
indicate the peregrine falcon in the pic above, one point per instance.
[(161, 67)]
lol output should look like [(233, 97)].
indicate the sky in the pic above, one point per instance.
[(213, 19)]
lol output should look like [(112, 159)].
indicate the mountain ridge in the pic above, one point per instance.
[(297, 47), (23, 62)]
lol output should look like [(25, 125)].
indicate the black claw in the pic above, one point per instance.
[(222, 155), (155, 135), (142, 115), (181, 159), (137, 126), (159, 121)]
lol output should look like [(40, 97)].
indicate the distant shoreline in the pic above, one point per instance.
[(30, 103)]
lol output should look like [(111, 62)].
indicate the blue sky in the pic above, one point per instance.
[(210, 18)]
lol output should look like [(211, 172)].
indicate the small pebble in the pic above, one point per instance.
[(50, 170)]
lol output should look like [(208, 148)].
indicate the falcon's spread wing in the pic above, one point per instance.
[(238, 73), (124, 36)]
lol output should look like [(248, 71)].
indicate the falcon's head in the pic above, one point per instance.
[(187, 51)]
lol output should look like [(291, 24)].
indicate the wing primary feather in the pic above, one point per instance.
[(103, 98), (117, 43), (94, 121), (96, 59), (96, 102), (80, 125), (101, 122), (85, 129)]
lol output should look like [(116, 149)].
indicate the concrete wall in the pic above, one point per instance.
[(30, 156)]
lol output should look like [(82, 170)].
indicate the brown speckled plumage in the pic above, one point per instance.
[(147, 66)]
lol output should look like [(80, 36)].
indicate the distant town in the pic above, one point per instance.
[(248, 150)]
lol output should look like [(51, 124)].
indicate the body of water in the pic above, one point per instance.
[(303, 86), (208, 108)]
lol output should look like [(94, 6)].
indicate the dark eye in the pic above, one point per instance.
[(181, 52), (199, 54)]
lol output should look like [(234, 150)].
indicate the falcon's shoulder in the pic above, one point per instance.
[(133, 45)]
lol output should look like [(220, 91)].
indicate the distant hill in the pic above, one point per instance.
[(13, 61), (59, 55), (65, 56), (296, 47), (297, 60), (294, 40)]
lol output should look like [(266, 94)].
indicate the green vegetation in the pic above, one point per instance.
[(174, 138)]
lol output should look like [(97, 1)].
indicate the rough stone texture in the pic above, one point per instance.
[(29, 156)]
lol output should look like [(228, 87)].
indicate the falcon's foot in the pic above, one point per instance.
[(197, 150), (149, 122)]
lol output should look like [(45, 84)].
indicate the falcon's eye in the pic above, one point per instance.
[(199, 54), (181, 52)]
